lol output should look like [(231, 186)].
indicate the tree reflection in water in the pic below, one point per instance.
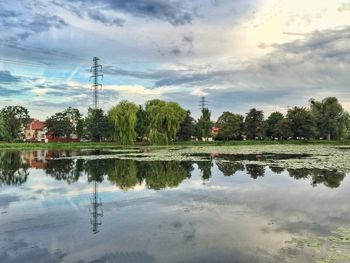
[(13, 169), (126, 174), (205, 167), (229, 168), (329, 178)]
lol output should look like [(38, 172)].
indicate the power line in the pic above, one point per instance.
[(96, 70)]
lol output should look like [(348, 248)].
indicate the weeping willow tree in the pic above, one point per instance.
[(164, 120), (123, 120)]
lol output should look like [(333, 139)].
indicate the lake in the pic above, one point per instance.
[(123, 206)]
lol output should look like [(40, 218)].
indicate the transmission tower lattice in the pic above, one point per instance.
[(203, 103), (96, 210), (96, 71)]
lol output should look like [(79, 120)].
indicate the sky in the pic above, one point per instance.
[(239, 54)]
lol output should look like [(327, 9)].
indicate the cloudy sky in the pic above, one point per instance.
[(268, 54)]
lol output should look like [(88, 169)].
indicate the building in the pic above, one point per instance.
[(35, 131)]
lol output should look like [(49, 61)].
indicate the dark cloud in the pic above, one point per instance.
[(5, 92), (21, 24), (8, 13), (173, 12), (7, 77), (41, 23), (99, 16), (175, 51)]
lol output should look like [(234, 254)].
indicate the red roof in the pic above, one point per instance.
[(37, 125)]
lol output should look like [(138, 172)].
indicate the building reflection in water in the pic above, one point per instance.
[(96, 210)]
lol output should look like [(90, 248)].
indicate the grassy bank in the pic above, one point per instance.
[(99, 145), (58, 145)]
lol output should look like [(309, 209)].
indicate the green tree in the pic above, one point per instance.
[(4, 134), (254, 124), (14, 120), (282, 129), (164, 120), (272, 121), (142, 123), (96, 125), (229, 125), (301, 122), (64, 123), (330, 118), (123, 119), (187, 128), (204, 124)]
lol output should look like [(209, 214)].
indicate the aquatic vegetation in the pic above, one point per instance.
[(296, 156), (326, 249)]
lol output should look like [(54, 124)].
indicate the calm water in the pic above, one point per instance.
[(62, 207)]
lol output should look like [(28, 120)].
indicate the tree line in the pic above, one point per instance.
[(161, 122)]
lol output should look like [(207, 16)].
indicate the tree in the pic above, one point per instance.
[(204, 124), (229, 125), (282, 129), (14, 119), (64, 123), (301, 122), (271, 122), (187, 128), (96, 124), (123, 121), (254, 124), (164, 120), (142, 123), (330, 118), (4, 134)]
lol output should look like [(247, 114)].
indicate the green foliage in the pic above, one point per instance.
[(142, 123), (204, 124), (123, 119), (64, 123), (229, 125), (14, 120), (330, 118), (97, 125), (301, 123), (164, 120), (254, 124), (4, 134), (272, 121), (187, 128), (282, 129)]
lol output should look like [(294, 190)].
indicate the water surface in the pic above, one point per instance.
[(58, 207)]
